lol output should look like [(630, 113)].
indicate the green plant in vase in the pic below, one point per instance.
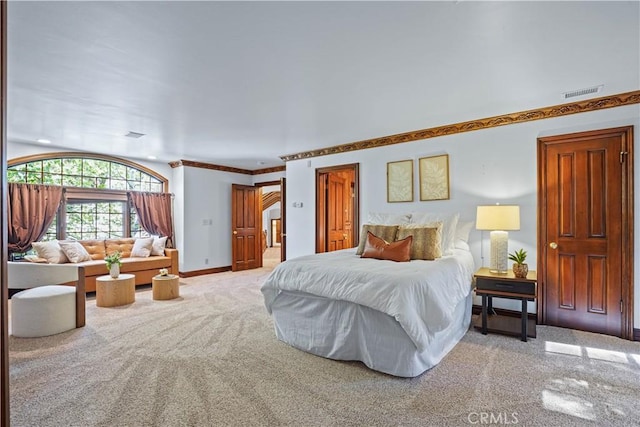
[(114, 263), (520, 268)]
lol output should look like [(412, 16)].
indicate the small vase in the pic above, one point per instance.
[(114, 271), (520, 270)]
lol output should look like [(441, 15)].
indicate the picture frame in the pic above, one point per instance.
[(434, 177), (400, 181)]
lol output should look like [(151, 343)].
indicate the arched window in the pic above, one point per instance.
[(95, 205)]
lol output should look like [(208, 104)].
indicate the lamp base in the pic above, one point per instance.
[(499, 252)]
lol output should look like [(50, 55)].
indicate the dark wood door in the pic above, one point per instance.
[(246, 227), (337, 207), (283, 219), (337, 235), (585, 240)]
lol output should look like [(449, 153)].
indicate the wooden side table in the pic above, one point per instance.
[(490, 285), (112, 292), (165, 287)]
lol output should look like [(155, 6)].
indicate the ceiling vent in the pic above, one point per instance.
[(135, 135), (581, 92)]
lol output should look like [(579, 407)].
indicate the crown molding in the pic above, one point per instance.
[(605, 102), (212, 166)]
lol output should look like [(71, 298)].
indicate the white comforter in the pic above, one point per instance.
[(420, 295)]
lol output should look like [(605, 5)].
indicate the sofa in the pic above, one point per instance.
[(142, 267)]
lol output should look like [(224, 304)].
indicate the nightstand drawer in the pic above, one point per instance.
[(506, 286)]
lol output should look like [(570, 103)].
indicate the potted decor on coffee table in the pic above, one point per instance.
[(113, 264), (520, 268)]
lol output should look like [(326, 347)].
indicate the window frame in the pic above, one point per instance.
[(87, 194)]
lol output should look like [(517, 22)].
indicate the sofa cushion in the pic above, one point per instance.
[(124, 246), (130, 265), (95, 248)]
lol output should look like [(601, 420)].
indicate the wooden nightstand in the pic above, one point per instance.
[(490, 285)]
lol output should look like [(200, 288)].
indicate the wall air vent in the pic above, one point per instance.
[(134, 135), (581, 92)]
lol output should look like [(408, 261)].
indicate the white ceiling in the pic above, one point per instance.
[(242, 83)]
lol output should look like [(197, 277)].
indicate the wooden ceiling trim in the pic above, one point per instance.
[(212, 166), (602, 103)]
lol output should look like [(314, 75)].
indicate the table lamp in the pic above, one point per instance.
[(498, 219)]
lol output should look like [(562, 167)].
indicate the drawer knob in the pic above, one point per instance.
[(553, 245)]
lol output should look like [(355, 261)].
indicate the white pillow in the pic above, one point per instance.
[(75, 251), (51, 251), (142, 247), (388, 218), (460, 244), (449, 221), (463, 229), (157, 248)]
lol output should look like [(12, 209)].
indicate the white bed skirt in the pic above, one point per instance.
[(343, 330)]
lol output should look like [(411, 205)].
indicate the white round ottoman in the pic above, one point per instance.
[(42, 311)]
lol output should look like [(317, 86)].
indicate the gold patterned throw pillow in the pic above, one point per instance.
[(385, 232), (427, 239)]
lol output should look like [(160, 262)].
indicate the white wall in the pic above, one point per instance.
[(485, 167), (206, 217)]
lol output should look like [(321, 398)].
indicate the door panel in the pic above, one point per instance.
[(337, 207), (336, 213), (246, 214), (582, 246)]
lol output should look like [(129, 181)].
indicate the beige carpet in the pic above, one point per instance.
[(211, 358)]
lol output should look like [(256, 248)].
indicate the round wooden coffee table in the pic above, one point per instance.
[(165, 287), (112, 292)]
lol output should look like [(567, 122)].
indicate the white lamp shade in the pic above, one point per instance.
[(498, 217)]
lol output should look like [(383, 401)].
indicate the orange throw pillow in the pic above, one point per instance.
[(375, 247)]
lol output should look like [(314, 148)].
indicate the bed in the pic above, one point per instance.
[(400, 318)]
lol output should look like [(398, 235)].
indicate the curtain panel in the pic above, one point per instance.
[(155, 213), (32, 208)]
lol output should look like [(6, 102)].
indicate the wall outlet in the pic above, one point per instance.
[(206, 261)]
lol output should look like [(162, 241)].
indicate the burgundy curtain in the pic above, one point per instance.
[(32, 209), (154, 213)]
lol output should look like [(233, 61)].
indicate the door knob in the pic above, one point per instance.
[(235, 232), (553, 245), (344, 236)]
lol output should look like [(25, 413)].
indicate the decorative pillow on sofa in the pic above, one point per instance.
[(427, 240), (385, 232), (75, 251), (51, 251), (375, 247), (142, 247), (159, 243)]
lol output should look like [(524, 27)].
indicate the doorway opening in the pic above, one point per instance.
[(337, 207)]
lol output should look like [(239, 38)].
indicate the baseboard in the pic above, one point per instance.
[(477, 309), (185, 274)]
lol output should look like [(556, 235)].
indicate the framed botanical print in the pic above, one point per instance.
[(434, 177), (400, 181)]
